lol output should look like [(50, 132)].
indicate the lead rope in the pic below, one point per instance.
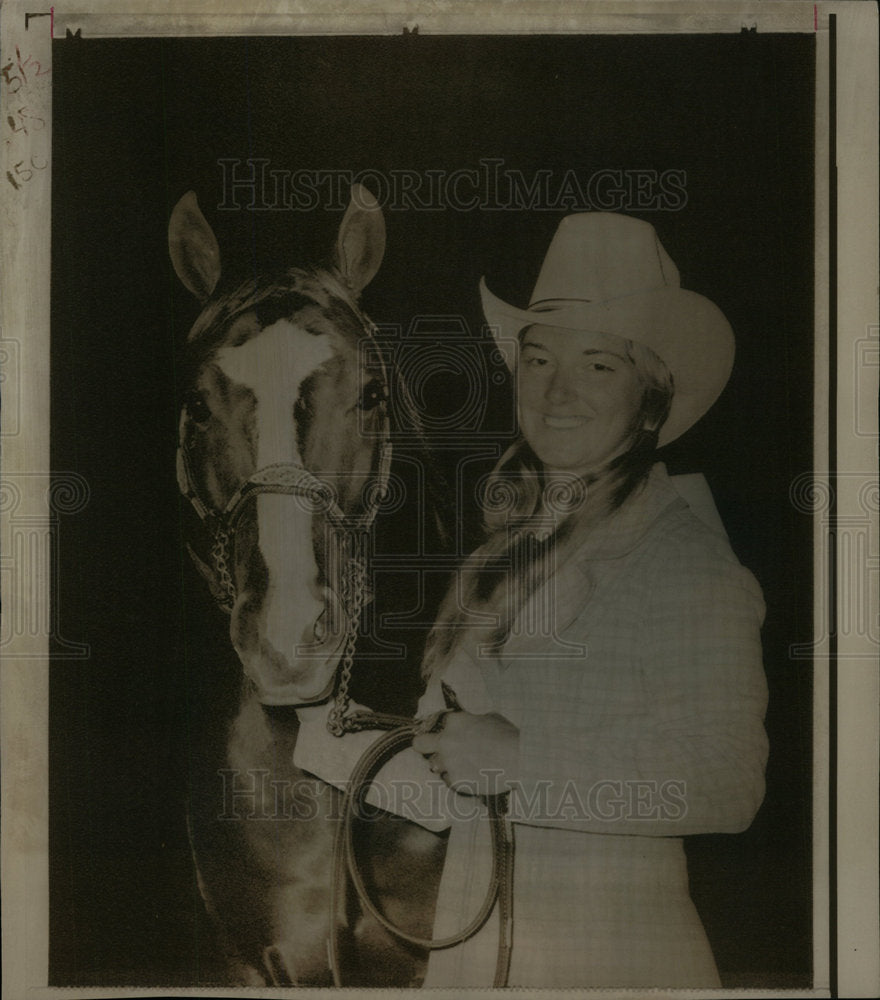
[(339, 721), (346, 866), (399, 736)]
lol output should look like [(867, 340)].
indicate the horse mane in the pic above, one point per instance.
[(406, 418), (290, 290), (392, 683)]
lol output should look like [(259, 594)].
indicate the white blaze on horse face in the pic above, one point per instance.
[(281, 621), (273, 365)]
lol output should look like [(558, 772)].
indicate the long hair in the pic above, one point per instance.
[(533, 525)]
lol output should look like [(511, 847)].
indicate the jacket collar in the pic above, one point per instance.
[(570, 587), (623, 529)]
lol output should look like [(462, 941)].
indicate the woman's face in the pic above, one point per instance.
[(578, 396)]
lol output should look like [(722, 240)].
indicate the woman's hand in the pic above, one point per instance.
[(473, 754)]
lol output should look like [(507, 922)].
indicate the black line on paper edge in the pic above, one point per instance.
[(832, 513)]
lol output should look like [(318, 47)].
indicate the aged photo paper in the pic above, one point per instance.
[(511, 367)]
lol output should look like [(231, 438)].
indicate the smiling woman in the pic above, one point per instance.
[(580, 398), (617, 691)]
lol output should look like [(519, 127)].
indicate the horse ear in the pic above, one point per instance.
[(360, 244), (193, 248)]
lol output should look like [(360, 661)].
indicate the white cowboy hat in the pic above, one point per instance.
[(608, 273)]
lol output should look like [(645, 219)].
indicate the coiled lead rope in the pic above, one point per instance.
[(345, 861)]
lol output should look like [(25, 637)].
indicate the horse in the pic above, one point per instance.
[(283, 455)]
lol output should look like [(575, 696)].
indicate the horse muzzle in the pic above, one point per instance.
[(289, 643)]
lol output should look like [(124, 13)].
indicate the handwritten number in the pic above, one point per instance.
[(21, 65), (17, 81), (30, 61), (38, 122), (25, 174), (13, 82), (15, 75)]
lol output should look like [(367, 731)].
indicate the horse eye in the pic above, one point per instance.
[(375, 392), (197, 408)]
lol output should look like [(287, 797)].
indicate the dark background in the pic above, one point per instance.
[(139, 122)]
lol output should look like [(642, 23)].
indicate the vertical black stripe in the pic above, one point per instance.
[(832, 513)]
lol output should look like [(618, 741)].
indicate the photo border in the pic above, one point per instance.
[(847, 692)]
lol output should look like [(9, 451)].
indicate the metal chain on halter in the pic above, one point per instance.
[(353, 589), (400, 736), (220, 555)]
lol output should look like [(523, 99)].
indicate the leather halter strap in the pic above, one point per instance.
[(286, 478), (292, 479)]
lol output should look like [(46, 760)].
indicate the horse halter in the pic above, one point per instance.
[(286, 478)]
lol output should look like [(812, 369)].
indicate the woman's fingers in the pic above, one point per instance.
[(473, 754), (435, 765)]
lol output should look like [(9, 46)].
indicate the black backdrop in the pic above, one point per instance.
[(139, 122)]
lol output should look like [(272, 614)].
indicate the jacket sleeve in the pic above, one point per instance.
[(679, 748)]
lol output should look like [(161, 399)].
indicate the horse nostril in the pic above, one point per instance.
[(320, 626), (243, 625)]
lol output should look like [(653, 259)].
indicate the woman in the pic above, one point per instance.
[(617, 691)]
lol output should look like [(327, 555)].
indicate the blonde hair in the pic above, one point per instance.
[(515, 502)]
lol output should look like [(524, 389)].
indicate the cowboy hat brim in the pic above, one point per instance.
[(685, 330)]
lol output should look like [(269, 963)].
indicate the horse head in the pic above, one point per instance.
[(283, 447)]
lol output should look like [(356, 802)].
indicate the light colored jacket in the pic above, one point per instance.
[(636, 681), (639, 693)]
